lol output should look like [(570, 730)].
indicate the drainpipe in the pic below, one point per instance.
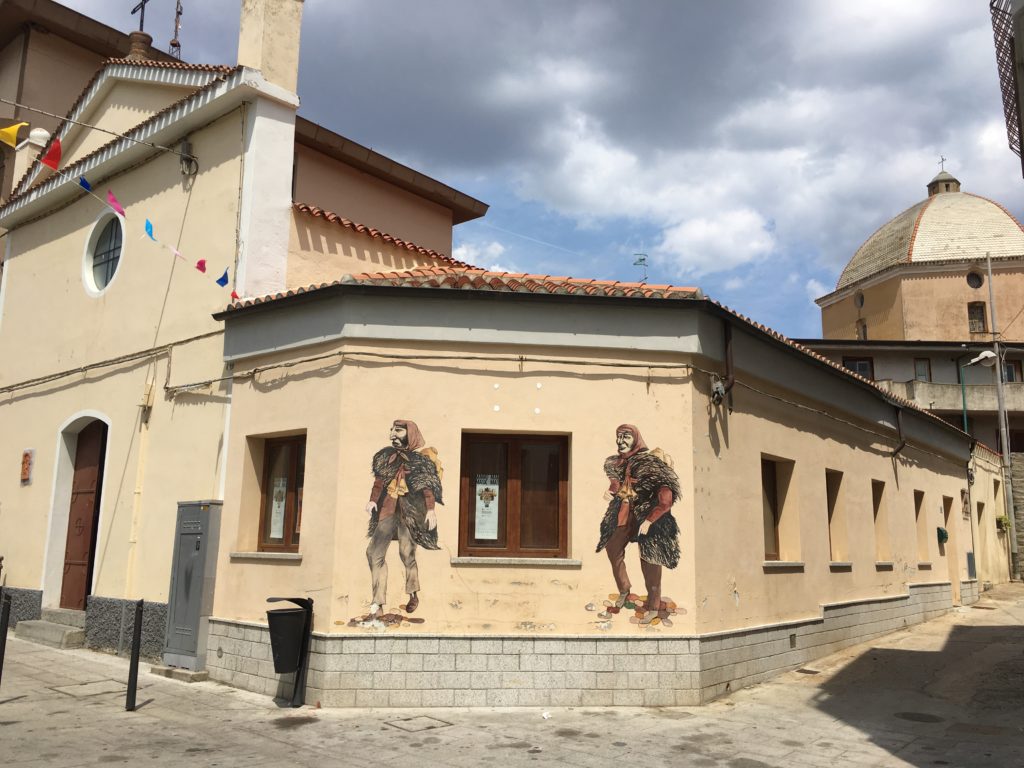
[(899, 427), (722, 390)]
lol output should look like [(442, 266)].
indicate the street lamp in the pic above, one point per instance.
[(985, 358)]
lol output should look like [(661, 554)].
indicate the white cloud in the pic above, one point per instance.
[(702, 245), (815, 289), (486, 255)]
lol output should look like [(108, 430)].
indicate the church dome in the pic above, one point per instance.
[(948, 225)]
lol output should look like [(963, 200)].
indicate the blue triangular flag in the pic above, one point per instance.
[(149, 230), (222, 281), (84, 184)]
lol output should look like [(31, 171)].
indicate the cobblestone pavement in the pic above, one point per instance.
[(947, 693)]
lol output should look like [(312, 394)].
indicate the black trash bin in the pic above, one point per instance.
[(287, 634)]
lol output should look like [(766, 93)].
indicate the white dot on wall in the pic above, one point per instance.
[(536, 410), (497, 407), (497, 386), (539, 385)]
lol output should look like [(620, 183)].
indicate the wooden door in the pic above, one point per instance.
[(83, 516)]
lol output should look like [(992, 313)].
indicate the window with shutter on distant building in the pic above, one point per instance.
[(922, 369), (976, 317), (863, 366)]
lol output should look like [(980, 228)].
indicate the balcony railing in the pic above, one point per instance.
[(947, 397)]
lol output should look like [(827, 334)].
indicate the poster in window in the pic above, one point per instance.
[(277, 508), (486, 507)]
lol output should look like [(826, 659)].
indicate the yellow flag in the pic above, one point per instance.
[(9, 135)]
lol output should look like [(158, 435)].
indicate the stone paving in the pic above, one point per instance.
[(946, 693)]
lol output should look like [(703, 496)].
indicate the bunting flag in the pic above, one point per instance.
[(176, 252), (201, 265), (84, 184), (149, 230), (9, 135), (115, 204), (52, 156), (234, 296), (222, 281)]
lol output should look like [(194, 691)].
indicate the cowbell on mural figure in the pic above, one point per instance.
[(407, 485), (643, 487)]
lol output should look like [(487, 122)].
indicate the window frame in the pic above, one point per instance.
[(511, 496), (1015, 367), (293, 496), (100, 227), (848, 363), (975, 306), (928, 369)]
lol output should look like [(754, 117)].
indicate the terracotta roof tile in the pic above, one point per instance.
[(476, 279), (334, 218)]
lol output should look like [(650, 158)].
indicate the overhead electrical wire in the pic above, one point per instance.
[(159, 147)]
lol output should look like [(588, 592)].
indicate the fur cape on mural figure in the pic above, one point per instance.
[(643, 487), (407, 485)]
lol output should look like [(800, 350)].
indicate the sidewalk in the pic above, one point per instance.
[(950, 692)]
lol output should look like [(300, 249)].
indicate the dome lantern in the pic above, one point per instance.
[(944, 181)]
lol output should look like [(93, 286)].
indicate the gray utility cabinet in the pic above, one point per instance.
[(193, 571)]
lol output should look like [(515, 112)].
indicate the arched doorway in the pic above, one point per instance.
[(83, 515)]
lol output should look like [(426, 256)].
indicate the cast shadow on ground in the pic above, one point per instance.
[(959, 706)]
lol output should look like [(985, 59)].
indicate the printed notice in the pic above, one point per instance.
[(486, 507), (277, 508)]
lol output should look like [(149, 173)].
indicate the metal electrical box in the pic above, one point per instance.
[(193, 570)]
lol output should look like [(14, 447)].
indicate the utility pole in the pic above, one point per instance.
[(1004, 437)]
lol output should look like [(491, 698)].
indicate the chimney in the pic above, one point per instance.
[(139, 44), (268, 40)]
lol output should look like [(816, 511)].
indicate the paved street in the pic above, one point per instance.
[(948, 693)]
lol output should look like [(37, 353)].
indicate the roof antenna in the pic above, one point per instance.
[(175, 49), (641, 261)]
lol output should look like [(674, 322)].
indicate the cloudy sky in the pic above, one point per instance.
[(746, 147)]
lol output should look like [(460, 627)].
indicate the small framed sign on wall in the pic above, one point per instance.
[(28, 457)]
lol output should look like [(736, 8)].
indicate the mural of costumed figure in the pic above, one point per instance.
[(406, 486), (643, 488)]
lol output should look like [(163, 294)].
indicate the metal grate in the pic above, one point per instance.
[(1002, 32)]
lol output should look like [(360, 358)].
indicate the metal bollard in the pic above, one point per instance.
[(5, 618), (133, 667)]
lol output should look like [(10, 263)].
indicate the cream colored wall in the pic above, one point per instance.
[(123, 107), (882, 312), (56, 72), (364, 199), (346, 410), (50, 324), (153, 298), (735, 589), (992, 547), (936, 305), (319, 251)]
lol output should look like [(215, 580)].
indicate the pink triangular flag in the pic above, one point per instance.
[(52, 156), (201, 265), (112, 201), (234, 296), (177, 253)]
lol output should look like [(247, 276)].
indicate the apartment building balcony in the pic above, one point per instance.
[(936, 396)]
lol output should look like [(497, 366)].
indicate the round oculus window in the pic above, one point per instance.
[(858, 300), (975, 279), (105, 252)]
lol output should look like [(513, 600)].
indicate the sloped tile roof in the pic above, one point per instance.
[(222, 71), (948, 226), (334, 218), (475, 279)]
